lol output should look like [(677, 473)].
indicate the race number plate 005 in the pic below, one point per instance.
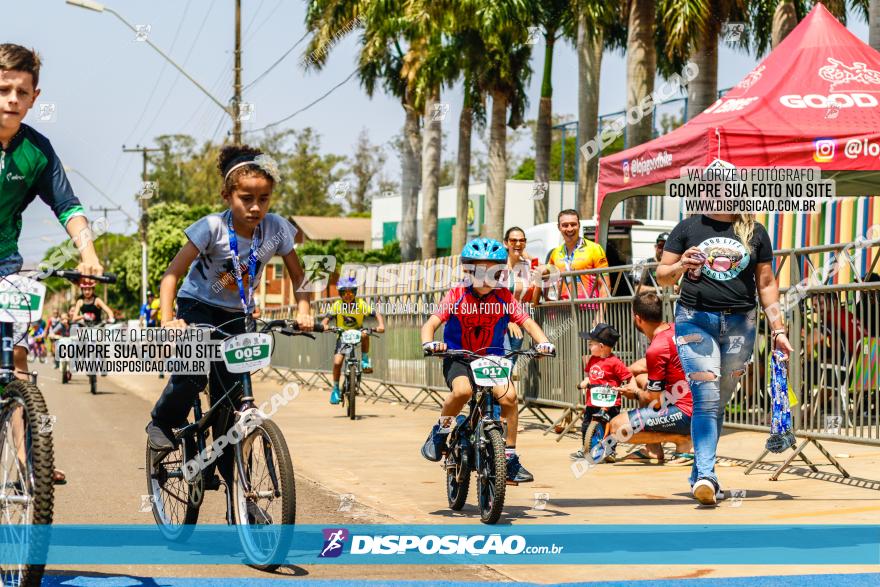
[(351, 336), (603, 396), (244, 353), (21, 299), (491, 371)]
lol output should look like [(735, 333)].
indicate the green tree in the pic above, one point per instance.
[(308, 177), (184, 171), (381, 58), (364, 167)]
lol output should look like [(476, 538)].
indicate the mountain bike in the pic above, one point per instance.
[(26, 454), (260, 491), (477, 442), (349, 348)]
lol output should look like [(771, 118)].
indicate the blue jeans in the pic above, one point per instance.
[(714, 348)]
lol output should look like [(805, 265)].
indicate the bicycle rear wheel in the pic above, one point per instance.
[(265, 496), (491, 476), (27, 490), (174, 501)]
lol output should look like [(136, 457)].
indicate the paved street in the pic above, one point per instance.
[(375, 459)]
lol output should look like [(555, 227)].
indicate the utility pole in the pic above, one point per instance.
[(143, 229), (236, 84), (105, 209)]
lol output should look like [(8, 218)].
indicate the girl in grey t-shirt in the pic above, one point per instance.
[(214, 293)]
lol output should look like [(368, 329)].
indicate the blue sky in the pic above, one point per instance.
[(109, 89)]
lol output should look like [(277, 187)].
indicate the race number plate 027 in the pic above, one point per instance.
[(491, 371), (244, 353), (603, 396), (351, 336), (21, 299)]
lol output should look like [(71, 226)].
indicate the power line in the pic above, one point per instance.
[(277, 61), (307, 106)]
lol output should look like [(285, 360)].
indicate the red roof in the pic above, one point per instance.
[(813, 101)]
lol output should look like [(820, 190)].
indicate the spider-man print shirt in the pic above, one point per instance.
[(478, 323)]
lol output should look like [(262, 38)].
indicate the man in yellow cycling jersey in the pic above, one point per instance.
[(350, 312), (577, 253)]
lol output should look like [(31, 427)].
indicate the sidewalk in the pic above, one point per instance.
[(376, 460)]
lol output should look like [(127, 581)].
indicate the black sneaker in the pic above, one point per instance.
[(516, 473), (435, 444), (159, 438)]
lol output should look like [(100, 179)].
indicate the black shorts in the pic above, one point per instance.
[(338, 349), (454, 368)]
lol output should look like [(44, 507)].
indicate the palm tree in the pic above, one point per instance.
[(553, 17), (641, 66), (874, 24), (503, 74), (380, 62), (690, 29), (467, 46), (598, 28), (772, 20)]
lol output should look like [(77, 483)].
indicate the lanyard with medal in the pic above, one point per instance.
[(236, 267)]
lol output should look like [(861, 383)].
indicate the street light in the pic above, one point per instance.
[(98, 7)]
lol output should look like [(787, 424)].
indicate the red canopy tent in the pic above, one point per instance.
[(813, 101)]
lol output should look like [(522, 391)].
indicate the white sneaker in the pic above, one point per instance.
[(704, 492)]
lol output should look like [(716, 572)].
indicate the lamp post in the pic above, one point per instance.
[(233, 110)]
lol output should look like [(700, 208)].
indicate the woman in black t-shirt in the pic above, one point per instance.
[(725, 260)]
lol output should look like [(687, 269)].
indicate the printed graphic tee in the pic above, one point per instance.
[(609, 371), (350, 315), (478, 323), (211, 279), (728, 275)]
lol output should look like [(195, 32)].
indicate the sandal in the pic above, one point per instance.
[(58, 477), (681, 459), (641, 456)]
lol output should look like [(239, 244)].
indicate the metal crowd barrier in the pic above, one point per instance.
[(834, 370)]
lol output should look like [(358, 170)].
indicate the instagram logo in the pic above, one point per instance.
[(824, 150)]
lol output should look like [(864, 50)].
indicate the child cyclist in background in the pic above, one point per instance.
[(350, 312), (222, 260), (602, 367), (476, 318)]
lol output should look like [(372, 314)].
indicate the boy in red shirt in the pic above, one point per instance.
[(602, 367), (663, 392)]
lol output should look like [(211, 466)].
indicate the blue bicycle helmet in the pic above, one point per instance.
[(484, 249), (347, 283)]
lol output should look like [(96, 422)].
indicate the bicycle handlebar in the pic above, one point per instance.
[(466, 354), (76, 276), (286, 327), (337, 330)]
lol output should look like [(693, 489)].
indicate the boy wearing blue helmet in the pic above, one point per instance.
[(476, 317), (350, 312)]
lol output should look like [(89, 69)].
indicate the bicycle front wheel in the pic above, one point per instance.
[(492, 476), (265, 495), (174, 501), (353, 381), (27, 494)]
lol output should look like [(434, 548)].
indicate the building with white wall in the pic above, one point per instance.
[(518, 211)]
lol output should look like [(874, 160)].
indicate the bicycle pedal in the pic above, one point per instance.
[(509, 482)]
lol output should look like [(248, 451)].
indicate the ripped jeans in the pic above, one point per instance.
[(714, 348)]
